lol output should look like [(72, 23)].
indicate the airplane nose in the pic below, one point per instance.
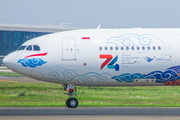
[(8, 61)]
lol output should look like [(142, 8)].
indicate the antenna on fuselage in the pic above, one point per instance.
[(99, 26)]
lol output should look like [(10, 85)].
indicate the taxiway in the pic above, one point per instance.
[(89, 113)]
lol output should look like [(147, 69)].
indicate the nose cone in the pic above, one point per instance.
[(5, 61), (8, 61)]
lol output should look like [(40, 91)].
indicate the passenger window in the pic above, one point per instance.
[(159, 47), (100, 48), (138, 47), (111, 48), (36, 48), (143, 48), (116, 48), (21, 48), (148, 48), (29, 48), (132, 47), (122, 48), (154, 48), (106, 48), (127, 48)]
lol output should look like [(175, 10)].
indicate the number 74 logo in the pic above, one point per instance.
[(109, 62)]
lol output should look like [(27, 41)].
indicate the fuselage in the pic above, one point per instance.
[(101, 57)]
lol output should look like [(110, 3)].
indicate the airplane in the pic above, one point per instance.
[(101, 57)]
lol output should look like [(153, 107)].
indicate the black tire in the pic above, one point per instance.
[(72, 103)]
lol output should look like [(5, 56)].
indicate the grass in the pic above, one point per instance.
[(9, 74), (21, 94)]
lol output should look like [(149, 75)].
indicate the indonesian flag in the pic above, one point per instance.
[(85, 38)]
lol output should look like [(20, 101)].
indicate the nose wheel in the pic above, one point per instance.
[(71, 102)]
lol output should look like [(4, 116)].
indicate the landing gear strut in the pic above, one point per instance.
[(71, 102)]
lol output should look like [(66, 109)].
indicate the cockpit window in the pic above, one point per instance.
[(29, 48), (36, 48), (21, 48)]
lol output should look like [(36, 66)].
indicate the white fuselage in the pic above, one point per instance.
[(101, 57)]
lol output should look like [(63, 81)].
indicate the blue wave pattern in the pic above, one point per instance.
[(33, 62), (127, 77), (175, 68), (161, 77), (92, 77), (66, 75), (168, 75)]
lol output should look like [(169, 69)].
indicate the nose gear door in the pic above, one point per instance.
[(68, 49)]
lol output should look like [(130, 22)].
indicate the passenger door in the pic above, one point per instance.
[(68, 49)]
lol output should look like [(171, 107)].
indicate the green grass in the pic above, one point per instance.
[(48, 94), (9, 74)]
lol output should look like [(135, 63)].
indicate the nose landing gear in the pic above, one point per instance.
[(71, 102)]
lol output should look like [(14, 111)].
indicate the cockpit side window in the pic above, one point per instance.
[(36, 48), (21, 48), (29, 48)]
